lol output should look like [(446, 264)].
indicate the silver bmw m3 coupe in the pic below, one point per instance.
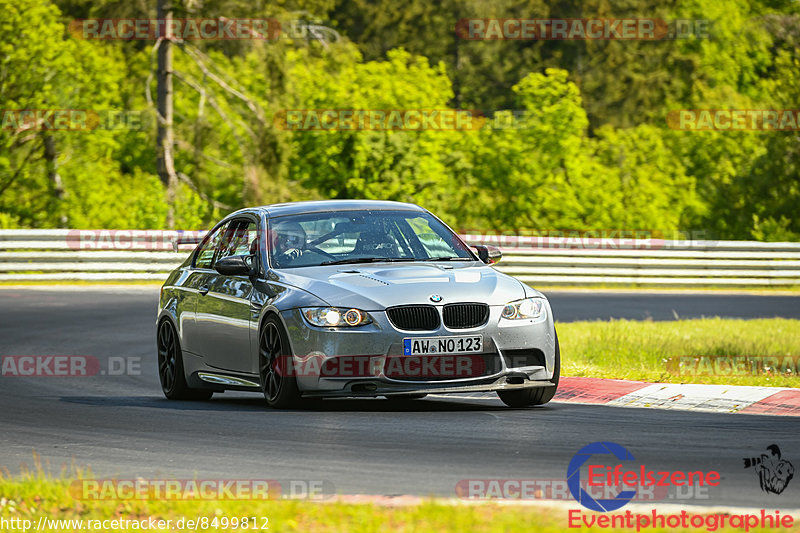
[(350, 298)]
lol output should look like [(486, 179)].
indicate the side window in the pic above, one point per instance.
[(205, 255), (243, 235)]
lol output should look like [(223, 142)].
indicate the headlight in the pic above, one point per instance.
[(336, 316), (521, 309)]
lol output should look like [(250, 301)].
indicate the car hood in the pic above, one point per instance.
[(377, 286)]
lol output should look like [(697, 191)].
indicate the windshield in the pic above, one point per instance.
[(342, 237)]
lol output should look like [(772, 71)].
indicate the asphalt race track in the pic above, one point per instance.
[(598, 305), (122, 426)]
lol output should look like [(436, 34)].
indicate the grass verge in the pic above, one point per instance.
[(626, 349)]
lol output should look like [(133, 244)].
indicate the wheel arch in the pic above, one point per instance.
[(167, 315), (272, 311)]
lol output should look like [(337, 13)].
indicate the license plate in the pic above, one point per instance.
[(442, 345)]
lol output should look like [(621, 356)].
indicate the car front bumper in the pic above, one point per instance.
[(523, 355)]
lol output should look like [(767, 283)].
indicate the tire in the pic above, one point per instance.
[(538, 395), (278, 385), (170, 366)]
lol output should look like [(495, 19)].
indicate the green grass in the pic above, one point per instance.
[(625, 349), (30, 496)]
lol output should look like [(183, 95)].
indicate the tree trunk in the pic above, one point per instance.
[(165, 140), (456, 63), (54, 178)]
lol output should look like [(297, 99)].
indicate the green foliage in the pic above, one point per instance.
[(648, 186), (576, 136), (526, 171), (393, 165), (45, 70)]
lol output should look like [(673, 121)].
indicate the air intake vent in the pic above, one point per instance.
[(525, 357), (414, 317), (462, 316)]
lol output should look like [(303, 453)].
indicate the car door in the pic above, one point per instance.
[(198, 278), (222, 313)]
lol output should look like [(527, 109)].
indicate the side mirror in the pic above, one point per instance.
[(488, 254), (235, 265)]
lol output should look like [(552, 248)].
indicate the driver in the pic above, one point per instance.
[(289, 242)]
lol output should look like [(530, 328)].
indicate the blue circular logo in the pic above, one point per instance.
[(436, 298), (574, 476)]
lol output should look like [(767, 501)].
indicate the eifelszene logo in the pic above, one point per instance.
[(574, 476), (610, 477), (774, 473)]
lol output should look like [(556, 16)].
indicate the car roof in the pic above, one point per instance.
[(294, 208)]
